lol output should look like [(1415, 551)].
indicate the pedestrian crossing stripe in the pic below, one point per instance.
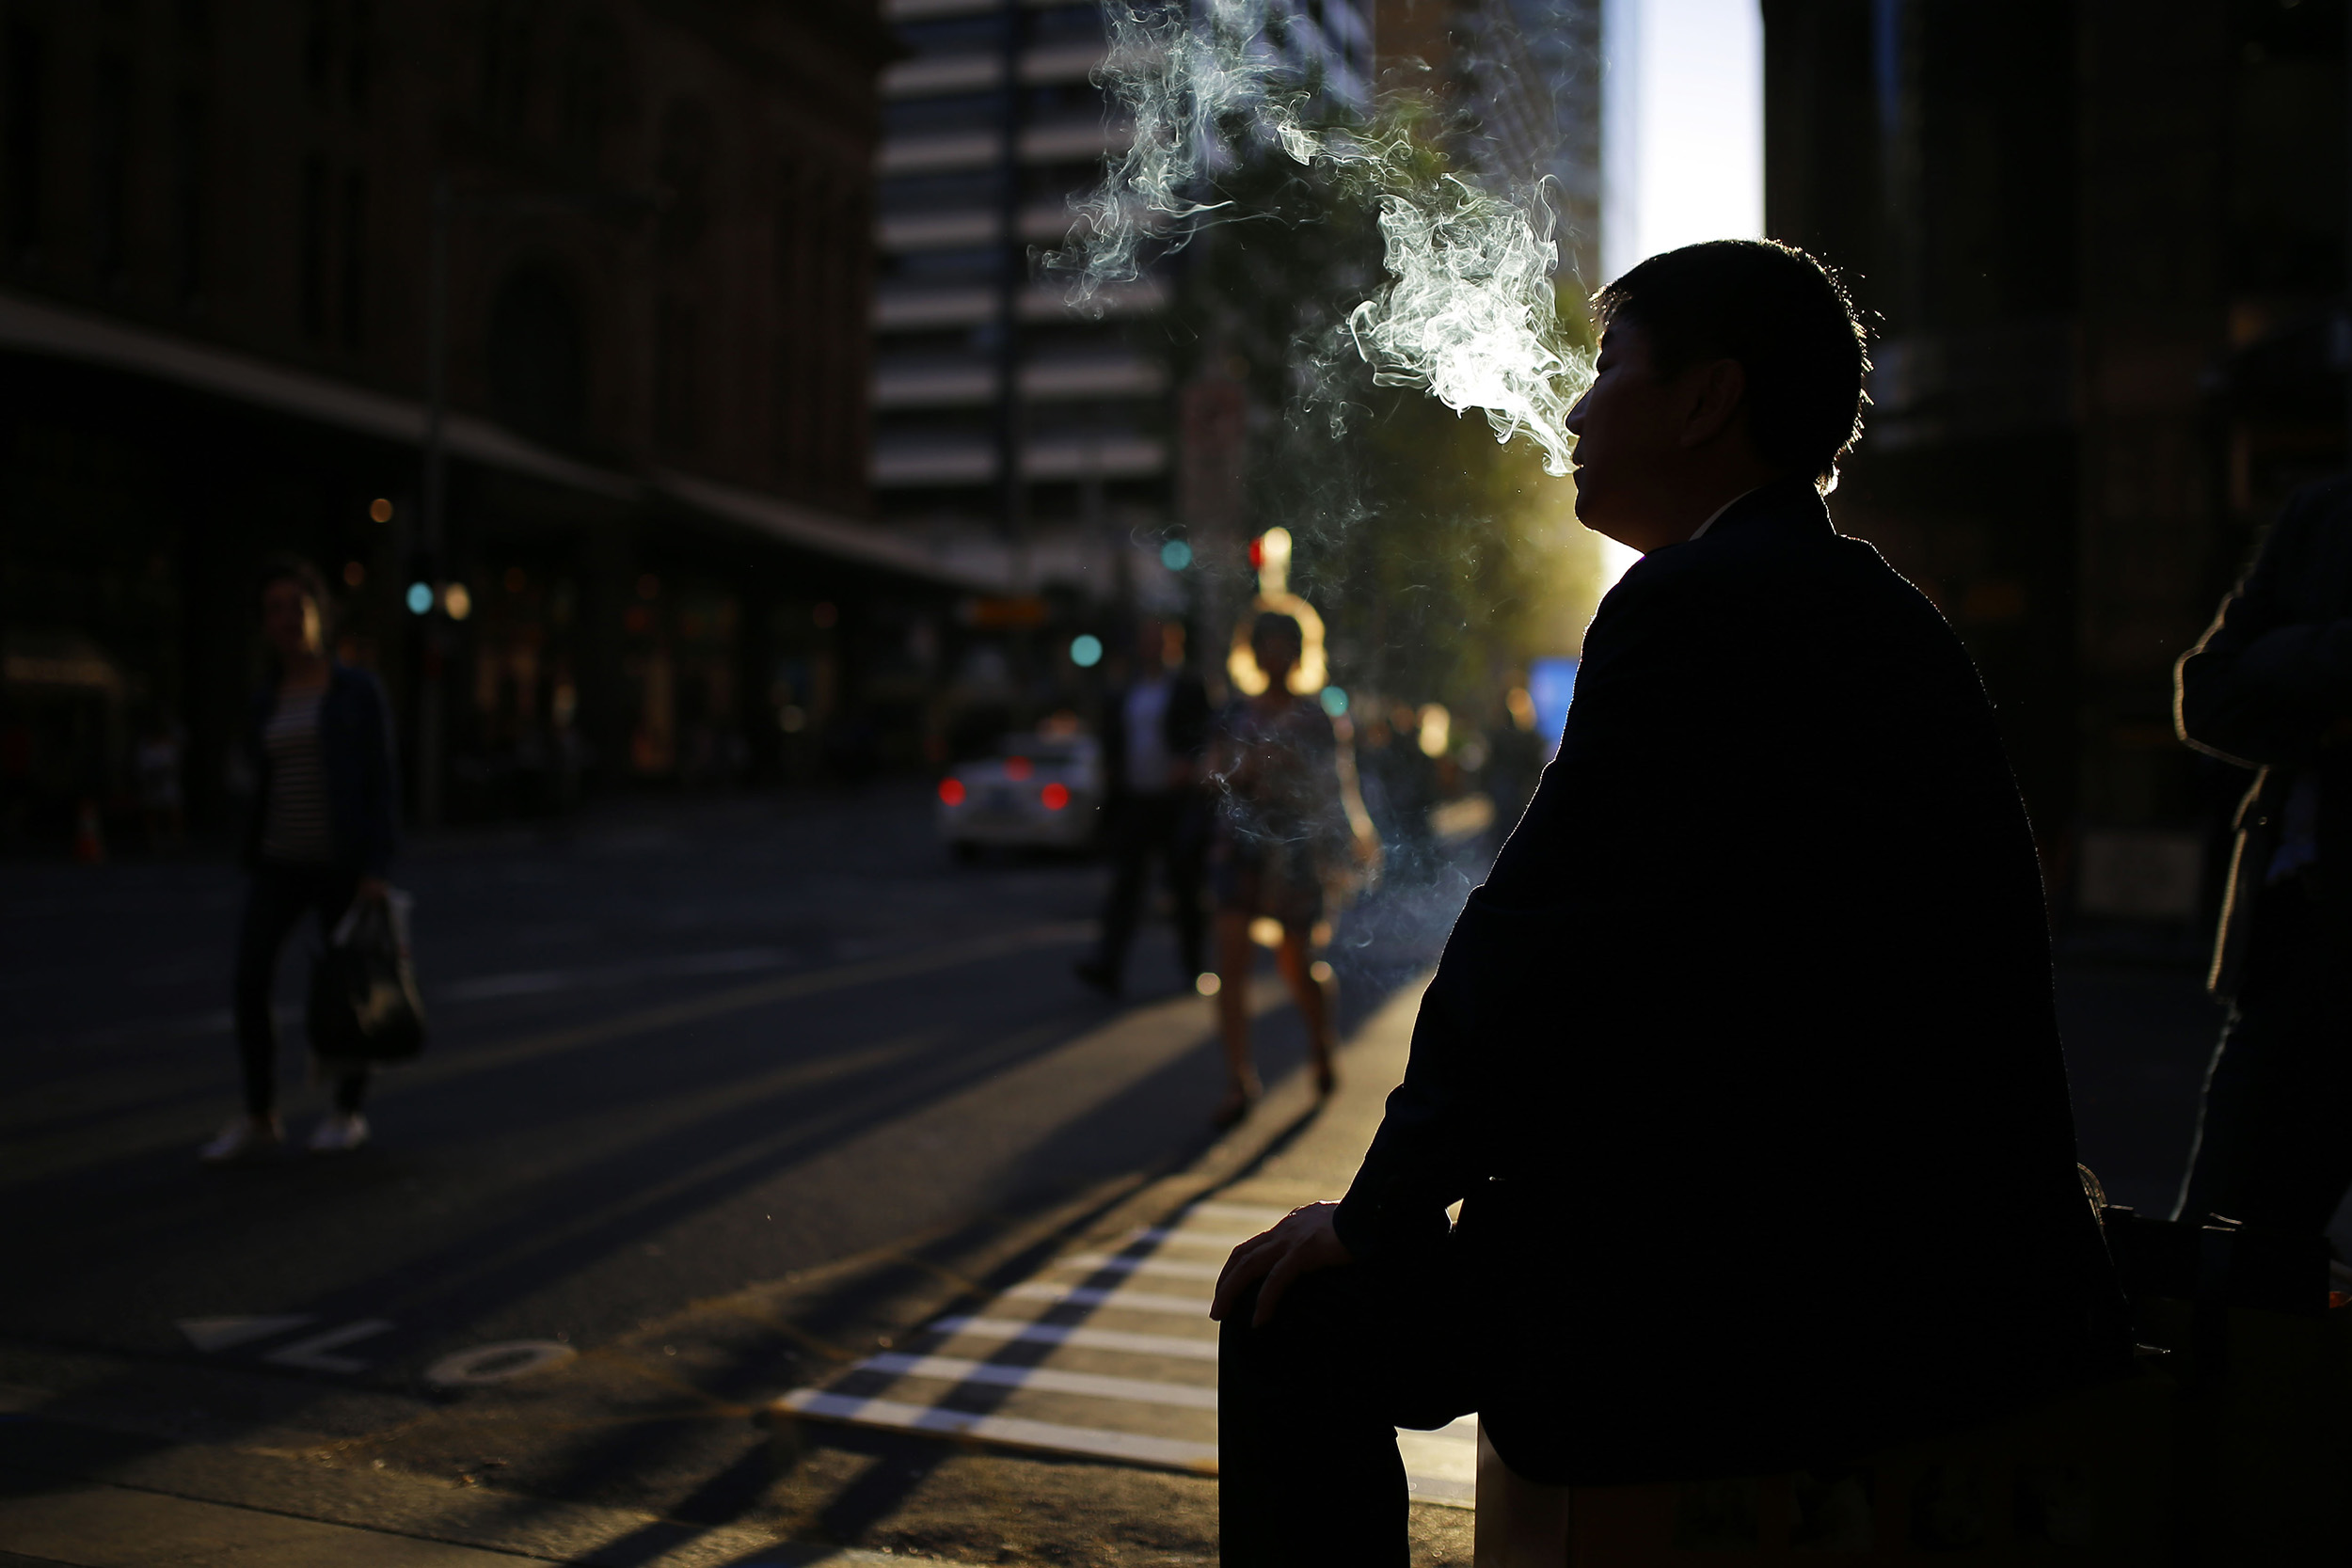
[(1075, 1334), (1248, 1215), (1120, 1300), (956, 1369), (1009, 1431), (1440, 1467), (1224, 1240), (1167, 1267)]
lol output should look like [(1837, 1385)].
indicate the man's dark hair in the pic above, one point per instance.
[(1783, 315), (294, 569)]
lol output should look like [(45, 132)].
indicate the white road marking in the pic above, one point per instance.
[(1078, 1335), (1236, 1214), (215, 1334), (1119, 1300), (1431, 1457), (497, 1362), (1011, 1431), (955, 1369), (1163, 1236), (1440, 1467), (311, 1355), (1170, 1268)]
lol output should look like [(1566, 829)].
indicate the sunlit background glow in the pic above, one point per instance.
[(1682, 138)]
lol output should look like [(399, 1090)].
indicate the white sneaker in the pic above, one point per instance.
[(243, 1139), (338, 1133)]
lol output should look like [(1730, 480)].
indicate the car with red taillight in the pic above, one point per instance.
[(1038, 792)]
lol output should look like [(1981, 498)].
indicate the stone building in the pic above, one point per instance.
[(219, 339), (2104, 246)]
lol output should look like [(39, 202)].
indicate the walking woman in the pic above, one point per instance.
[(1282, 835), (320, 838)]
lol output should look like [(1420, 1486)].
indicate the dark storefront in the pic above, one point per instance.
[(587, 631)]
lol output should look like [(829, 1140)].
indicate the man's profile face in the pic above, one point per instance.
[(1626, 432)]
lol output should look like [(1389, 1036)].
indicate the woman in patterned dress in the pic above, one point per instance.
[(1282, 832)]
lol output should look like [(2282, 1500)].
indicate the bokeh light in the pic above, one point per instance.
[(419, 598), (1175, 555), (457, 601), (1086, 650), (952, 792), (1437, 729), (380, 508), (1334, 701), (1054, 796)]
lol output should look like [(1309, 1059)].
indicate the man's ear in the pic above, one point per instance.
[(1712, 397)]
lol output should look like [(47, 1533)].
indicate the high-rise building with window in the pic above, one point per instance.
[(1520, 82), (1035, 437)]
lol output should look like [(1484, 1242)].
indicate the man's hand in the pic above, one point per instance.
[(1303, 1242)]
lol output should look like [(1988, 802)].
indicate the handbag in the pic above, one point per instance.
[(364, 1003)]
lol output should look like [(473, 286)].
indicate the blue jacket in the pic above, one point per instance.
[(362, 782)]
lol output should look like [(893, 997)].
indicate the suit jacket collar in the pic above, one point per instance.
[(1793, 506)]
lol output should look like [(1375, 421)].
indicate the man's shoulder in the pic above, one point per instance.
[(354, 681), (2327, 502)]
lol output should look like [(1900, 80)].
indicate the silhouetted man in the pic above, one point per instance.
[(2269, 686), (1744, 1062), (1155, 725)]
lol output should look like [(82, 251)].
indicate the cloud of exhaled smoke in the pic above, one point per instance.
[(1469, 312)]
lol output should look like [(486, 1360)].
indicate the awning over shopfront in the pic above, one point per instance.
[(39, 327)]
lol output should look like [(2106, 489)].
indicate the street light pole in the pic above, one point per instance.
[(430, 741)]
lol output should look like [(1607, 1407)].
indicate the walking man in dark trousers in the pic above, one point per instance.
[(1156, 726), (1744, 1064), (2269, 686)]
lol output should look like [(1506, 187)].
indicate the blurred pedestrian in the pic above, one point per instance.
[(1515, 761), (2269, 686), (321, 838), (1281, 837), (156, 761), (1156, 726)]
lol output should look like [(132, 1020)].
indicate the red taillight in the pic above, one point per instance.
[(1055, 796), (1018, 768), (951, 791)]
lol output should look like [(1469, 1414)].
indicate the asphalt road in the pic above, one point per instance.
[(718, 1094), (674, 1052), (692, 1064)]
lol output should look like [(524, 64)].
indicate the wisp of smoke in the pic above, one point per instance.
[(1468, 314)]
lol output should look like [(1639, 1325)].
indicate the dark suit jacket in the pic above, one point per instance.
[(2265, 687), (1183, 730), (362, 777), (1746, 1057)]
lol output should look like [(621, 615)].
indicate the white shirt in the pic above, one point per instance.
[(1721, 510)]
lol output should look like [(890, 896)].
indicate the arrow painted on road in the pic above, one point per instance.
[(216, 1333)]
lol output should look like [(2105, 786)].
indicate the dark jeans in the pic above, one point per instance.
[(278, 899), (1172, 826), (1308, 1470), (2274, 1136)]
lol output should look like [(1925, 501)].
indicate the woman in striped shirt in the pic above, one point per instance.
[(322, 837)]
